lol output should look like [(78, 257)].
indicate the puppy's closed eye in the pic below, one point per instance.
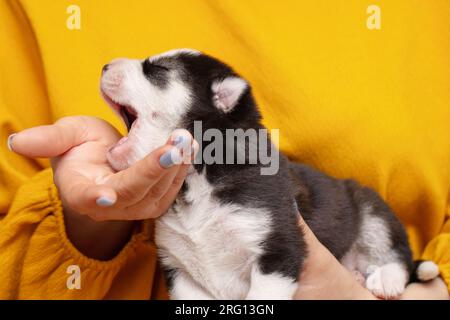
[(156, 73), (150, 67)]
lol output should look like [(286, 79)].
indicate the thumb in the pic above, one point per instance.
[(50, 140), (310, 238)]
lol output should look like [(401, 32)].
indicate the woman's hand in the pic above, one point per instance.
[(323, 277), (91, 192)]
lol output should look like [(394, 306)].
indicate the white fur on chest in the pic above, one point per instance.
[(215, 243)]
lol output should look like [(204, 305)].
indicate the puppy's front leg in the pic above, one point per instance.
[(272, 286)]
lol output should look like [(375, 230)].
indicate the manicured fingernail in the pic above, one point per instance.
[(10, 141), (104, 202), (183, 143), (170, 157), (178, 140)]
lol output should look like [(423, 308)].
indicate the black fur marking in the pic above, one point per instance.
[(157, 74), (169, 276)]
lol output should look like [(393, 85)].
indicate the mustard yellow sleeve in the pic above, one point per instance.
[(23, 99), (36, 255)]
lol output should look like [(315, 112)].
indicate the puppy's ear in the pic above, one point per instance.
[(226, 92)]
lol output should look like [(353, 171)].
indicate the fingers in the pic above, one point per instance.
[(160, 195), (144, 190), (155, 203), (308, 234), (132, 184), (83, 196), (152, 185), (173, 190), (51, 140), (154, 173)]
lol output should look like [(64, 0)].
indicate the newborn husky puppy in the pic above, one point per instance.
[(232, 233)]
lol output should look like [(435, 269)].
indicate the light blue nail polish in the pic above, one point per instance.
[(178, 140), (184, 144), (10, 140), (170, 158), (104, 202)]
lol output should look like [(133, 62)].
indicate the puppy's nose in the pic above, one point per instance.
[(105, 68)]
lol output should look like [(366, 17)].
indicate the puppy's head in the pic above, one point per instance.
[(157, 95)]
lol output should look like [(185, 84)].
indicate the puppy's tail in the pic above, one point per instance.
[(424, 270)]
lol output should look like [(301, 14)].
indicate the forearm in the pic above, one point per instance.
[(100, 240)]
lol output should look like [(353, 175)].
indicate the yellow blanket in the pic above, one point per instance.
[(371, 104)]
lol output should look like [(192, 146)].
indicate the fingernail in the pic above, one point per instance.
[(104, 202), (10, 141), (170, 157), (182, 143), (178, 140)]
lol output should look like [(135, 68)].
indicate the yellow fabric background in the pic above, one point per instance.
[(369, 104)]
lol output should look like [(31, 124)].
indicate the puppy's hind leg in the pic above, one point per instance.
[(383, 253), (388, 281), (381, 250)]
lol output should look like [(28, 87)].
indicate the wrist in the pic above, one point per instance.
[(100, 240)]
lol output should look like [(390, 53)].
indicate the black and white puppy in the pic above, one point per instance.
[(232, 233)]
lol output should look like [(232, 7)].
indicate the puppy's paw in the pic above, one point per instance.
[(387, 281)]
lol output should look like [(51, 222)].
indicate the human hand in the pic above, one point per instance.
[(324, 278), (90, 190)]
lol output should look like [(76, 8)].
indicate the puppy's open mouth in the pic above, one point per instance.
[(119, 154), (128, 113)]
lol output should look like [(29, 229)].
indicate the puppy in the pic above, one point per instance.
[(232, 232)]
